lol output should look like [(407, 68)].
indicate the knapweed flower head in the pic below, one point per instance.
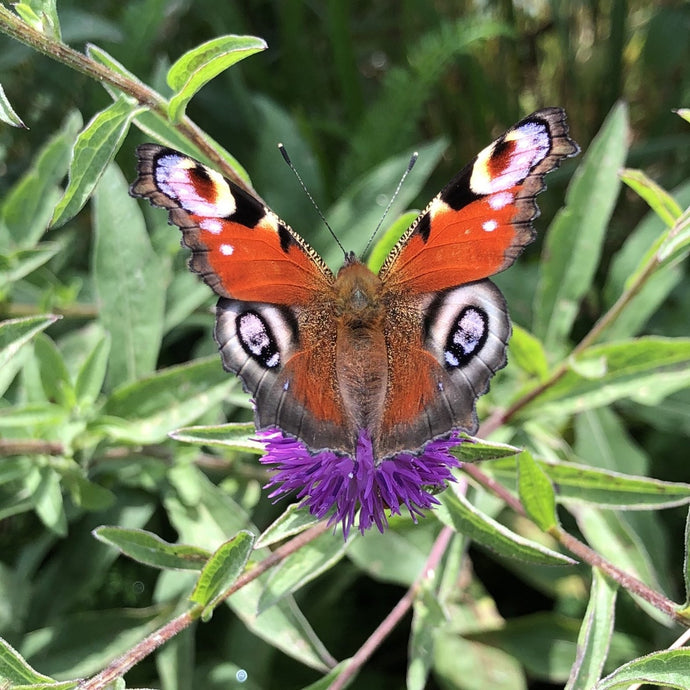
[(327, 480)]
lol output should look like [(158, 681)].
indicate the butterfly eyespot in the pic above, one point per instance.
[(257, 339), (467, 337)]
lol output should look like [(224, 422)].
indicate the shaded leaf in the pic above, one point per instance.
[(152, 407), (150, 549), (595, 633), (14, 333), (536, 492), (302, 567), (573, 243), (130, 281), (7, 114), (15, 670)]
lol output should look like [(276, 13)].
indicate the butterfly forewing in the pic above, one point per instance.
[(481, 221), (240, 248)]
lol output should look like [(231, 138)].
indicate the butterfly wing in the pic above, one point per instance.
[(240, 248), (274, 324), (482, 219), (456, 328)]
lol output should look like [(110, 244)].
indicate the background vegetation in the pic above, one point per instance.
[(351, 89)]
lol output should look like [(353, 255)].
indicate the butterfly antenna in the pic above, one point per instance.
[(410, 165), (284, 153)]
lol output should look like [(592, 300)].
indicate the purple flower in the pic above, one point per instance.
[(328, 480)]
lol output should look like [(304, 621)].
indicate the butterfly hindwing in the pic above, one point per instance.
[(481, 221), (240, 248)]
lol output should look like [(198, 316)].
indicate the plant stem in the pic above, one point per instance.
[(18, 29), (149, 644)]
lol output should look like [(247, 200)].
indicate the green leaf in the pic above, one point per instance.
[(659, 200), (645, 369), (293, 520), (640, 246), (609, 533), (674, 246), (14, 333), (150, 408), (221, 570), (358, 210), (148, 548), (91, 374), (458, 513), (573, 243), (15, 670), (684, 113), (302, 567), (48, 502), (55, 378), (581, 483), (94, 149), (234, 436), (594, 638), (24, 261), (397, 556), (669, 668), (130, 281), (198, 66), (7, 114), (29, 204), (389, 238), (208, 521), (527, 352), (685, 609), (476, 449), (427, 620), (536, 492), (41, 15)]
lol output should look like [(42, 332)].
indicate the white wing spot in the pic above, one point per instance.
[(212, 225), (226, 249), (489, 225), (500, 200)]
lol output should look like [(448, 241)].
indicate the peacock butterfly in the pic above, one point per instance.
[(400, 356)]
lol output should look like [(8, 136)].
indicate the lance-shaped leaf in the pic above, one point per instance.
[(198, 66), (476, 449), (7, 114), (595, 634), (303, 566), (17, 332), (221, 570), (659, 200), (669, 668), (150, 549), (582, 483), (459, 514), (293, 521), (646, 369), (94, 149), (536, 492), (150, 408), (15, 671), (573, 243), (233, 436)]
